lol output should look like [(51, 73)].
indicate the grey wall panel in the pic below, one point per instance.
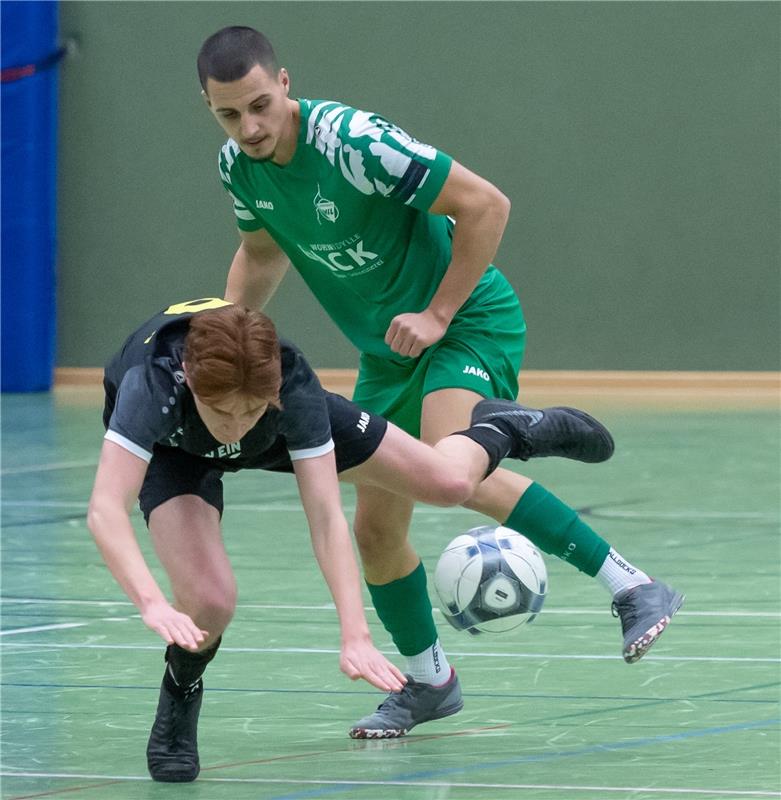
[(638, 143)]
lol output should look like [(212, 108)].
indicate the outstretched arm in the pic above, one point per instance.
[(256, 271), (319, 489), (480, 211), (117, 484)]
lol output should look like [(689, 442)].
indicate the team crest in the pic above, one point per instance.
[(325, 209)]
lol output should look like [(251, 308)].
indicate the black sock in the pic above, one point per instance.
[(492, 440), (185, 668)]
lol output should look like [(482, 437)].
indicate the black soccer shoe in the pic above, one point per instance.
[(645, 612), (172, 751), (536, 433)]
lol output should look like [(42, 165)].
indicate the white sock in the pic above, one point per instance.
[(617, 574), (430, 666)]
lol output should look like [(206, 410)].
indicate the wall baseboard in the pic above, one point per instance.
[(597, 387)]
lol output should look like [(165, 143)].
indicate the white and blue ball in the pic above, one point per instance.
[(490, 579)]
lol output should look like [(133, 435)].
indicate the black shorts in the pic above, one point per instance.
[(173, 472)]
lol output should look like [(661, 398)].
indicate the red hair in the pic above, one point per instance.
[(233, 349)]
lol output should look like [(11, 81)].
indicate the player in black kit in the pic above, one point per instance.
[(205, 388)]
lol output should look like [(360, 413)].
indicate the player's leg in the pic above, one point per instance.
[(186, 534), (446, 476), (396, 581), (644, 606), (393, 571), (182, 500), (449, 472)]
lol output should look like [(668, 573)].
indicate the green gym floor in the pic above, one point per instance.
[(551, 711)]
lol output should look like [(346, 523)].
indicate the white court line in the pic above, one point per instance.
[(14, 631), (330, 651), (669, 516), (47, 467), (429, 784), (331, 607)]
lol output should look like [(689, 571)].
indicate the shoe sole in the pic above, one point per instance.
[(174, 777), (395, 733), (640, 646)]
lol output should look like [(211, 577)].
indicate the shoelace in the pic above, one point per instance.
[(626, 611), (393, 698)]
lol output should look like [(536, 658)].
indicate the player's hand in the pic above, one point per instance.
[(173, 626), (361, 659), (411, 334)]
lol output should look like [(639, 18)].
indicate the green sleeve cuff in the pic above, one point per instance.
[(249, 225), (426, 194)]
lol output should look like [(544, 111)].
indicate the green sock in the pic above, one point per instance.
[(404, 608), (557, 529)]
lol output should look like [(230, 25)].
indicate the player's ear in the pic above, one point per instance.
[(206, 98), (285, 80)]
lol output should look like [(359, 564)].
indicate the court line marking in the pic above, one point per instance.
[(47, 467), (386, 744), (331, 607), (330, 651), (685, 515), (577, 752), (410, 783), (629, 702), (14, 631)]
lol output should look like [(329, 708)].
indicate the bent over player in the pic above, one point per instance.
[(395, 239), (205, 388)]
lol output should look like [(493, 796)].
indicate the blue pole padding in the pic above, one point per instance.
[(28, 92)]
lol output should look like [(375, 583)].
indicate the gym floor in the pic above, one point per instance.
[(551, 711)]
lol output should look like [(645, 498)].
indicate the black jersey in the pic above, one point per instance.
[(148, 402)]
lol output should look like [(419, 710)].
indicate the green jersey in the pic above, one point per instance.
[(350, 210)]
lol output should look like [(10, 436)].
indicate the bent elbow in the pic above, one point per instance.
[(503, 205), (97, 518), (93, 518)]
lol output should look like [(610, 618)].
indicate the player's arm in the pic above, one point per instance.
[(319, 490), (117, 484), (257, 269), (480, 211)]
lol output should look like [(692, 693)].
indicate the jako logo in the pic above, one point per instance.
[(266, 205), (363, 422), (481, 373)]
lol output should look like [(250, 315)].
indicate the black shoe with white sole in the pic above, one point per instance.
[(541, 432)]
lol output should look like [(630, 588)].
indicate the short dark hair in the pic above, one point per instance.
[(232, 52)]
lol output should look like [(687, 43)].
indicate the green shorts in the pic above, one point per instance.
[(481, 351)]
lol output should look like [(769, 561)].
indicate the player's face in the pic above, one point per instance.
[(256, 113), (231, 417)]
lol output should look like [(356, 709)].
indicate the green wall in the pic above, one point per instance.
[(638, 143)]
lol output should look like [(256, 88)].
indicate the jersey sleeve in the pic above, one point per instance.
[(143, 414), (376, 156), (306, 425), (234, 181)]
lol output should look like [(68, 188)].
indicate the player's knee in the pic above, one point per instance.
[(449, 490), (213, 607), (374, 536)]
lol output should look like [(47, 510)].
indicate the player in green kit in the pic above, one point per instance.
[(396, 240)]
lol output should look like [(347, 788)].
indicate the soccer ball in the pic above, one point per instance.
[(490, 579)]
